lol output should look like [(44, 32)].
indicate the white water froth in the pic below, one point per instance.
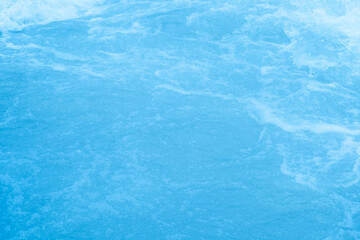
[(266, 115), (345, 21), (18, 14)]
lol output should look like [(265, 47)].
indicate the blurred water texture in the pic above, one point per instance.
[(179, 119)]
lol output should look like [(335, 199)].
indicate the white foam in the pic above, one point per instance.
[(18, 14), (199, 93), (316, 62), (300, 178), (332, 20), (266, 115), (347, 24)]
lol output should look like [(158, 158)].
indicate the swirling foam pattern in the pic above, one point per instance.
[(179, 119)]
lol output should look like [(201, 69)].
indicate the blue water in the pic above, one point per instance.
[(179, 119)]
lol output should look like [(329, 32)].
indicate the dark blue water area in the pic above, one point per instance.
[(179, 120)]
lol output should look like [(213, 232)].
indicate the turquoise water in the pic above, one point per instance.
[(179, 119)]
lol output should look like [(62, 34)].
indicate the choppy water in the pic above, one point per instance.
[(179, 119)]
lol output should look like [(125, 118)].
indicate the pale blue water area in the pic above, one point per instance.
[(179, 119)]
